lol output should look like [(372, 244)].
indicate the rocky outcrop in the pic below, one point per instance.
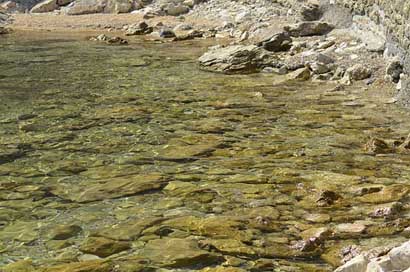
[(397, 259), (80, 7), (235, 59)]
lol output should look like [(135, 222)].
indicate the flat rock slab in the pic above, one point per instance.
[(234, 59), (178, 253), (108, 189)]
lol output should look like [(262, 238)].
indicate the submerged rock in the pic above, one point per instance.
[(109, 40), (63, 232), (234, 59), (85, 266), (178, 253), (107, 189), (103, 247)]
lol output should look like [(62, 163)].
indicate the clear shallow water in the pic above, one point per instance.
[(133, 154)]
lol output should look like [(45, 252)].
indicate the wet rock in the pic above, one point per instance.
[(109, 40), (141, 28), (310, 12), (390, 193), (301, 74), (278, 42), (63, 232), (387, 211), (103, 247), (234, 59), (189, 36), (25, 232), (317, 233), (350, 229), (86, 266), (327, 198), (167, 33), (111, 188), (394, 70), (229, 246), (304, 29), (377, 146), (128, 231), (19, 266), (357, 264), (178, 253), (10, 7)]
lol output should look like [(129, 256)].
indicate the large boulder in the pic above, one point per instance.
[(235, 59), (80, 7), (176, 9), (277, 42), (49, 5), (304, 29), (45, 6)]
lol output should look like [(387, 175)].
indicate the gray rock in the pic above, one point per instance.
[(400, 256), (393, 70), (358, 72), (310, 12), (80, 7), (304, 29), (176, 9), (138, 29), (45, 6), (357, 264), (167, 33), (325, 59), (319, 68), (301, 74), (235, 59), (278, 42)]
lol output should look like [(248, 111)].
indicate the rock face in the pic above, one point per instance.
[(98, 6), (234, 59)]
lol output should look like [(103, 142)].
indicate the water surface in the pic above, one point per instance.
[(133, 154)]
